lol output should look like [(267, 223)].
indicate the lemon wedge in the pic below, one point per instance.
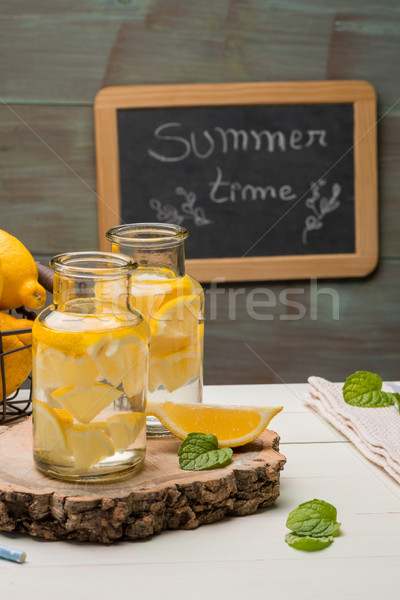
[(49, 430), (89, 446), (233, 425), (125, 428), (174, 370), (86, 405)]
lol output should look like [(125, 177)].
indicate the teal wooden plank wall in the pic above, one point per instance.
[(55, 56)]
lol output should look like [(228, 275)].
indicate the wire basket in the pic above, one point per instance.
[(14, 407)]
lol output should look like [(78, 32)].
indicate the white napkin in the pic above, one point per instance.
[(374, 431)]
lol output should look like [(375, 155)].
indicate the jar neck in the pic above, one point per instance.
[(152, 245), (89, 282), (169, 259), (88, 295)]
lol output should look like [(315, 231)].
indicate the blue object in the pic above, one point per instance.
[(12, 554)]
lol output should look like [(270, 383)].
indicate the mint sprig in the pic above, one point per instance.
[(313, 525), (200, 452), (364, 389)]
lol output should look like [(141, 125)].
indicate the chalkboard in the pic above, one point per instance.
[(268, 187)]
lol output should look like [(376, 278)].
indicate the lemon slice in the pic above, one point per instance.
[(162, 345), (49, 430), (101, 426), (124, 428), (174, 370), (69, 342), (89, 446), (233, 425), (178, 318), (65, 417), (54, 369), (86, 405), (149, 294), (122, 360)]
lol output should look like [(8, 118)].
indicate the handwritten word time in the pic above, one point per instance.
[(227, 140), (231, 191)]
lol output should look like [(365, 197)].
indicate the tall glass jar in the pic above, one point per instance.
[(90, 369), (172, 302)]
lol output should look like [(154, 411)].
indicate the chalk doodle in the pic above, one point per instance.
[(320, 206), (167, 213)]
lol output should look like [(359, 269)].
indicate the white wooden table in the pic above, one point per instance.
[(243, 557)]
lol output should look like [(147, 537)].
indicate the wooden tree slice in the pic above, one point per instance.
[(161, 496)]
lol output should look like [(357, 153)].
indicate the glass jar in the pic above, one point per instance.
[(172, 302), (90, 370)]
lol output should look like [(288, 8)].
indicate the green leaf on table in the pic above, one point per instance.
[(200, 452), (364, 389), (315, 518), (310, 544)]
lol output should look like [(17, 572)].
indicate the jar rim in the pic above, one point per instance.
[(93, 264), (148, 235)]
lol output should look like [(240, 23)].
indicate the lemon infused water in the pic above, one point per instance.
[(172, 302), (90, 372)]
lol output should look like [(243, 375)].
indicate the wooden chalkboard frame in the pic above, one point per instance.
[(360, 93)]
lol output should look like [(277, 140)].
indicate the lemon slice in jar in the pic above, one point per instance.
[(89, 446), (85, 405), (177, 318), (54, 369), (174, 370), (176, 326), (125, 428), (49, 430), (122, 359)]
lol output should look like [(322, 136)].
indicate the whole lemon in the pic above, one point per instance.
[(1, 278), (20, 275), (17, 365), (8, 322)]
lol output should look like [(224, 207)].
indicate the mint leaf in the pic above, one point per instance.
[(200, 452), (364, 389), (372, 400), (360, 383), (310, 544), (315, 518)]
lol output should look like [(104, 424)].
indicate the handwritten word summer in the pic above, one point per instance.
[(218, 139)]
